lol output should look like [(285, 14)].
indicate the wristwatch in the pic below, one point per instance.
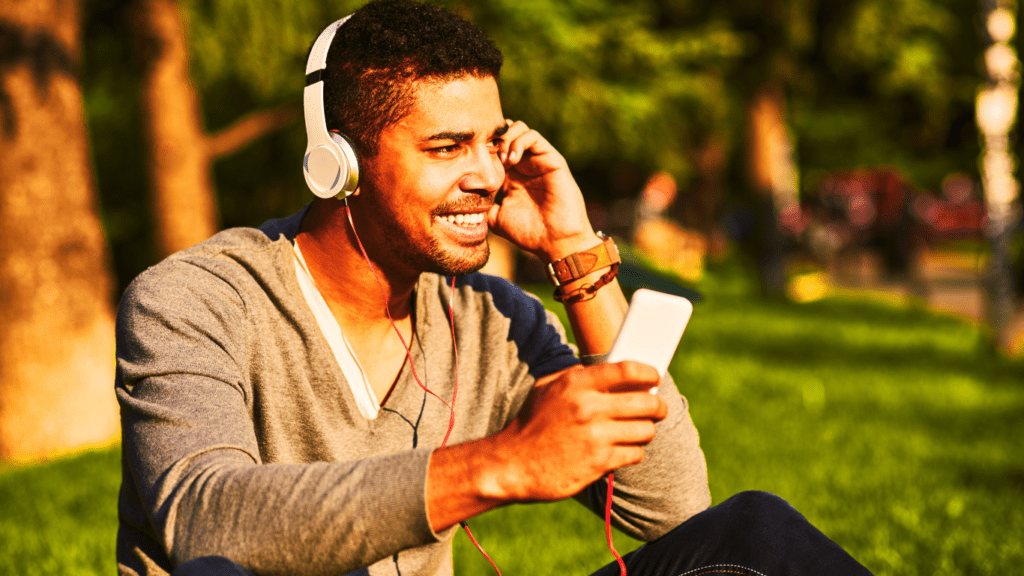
[(579, 264)]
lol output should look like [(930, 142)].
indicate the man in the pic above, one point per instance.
[(274, 420)]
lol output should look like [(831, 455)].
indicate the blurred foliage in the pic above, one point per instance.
[(612, 83), (892, 82), (621, 89), (111, 84)]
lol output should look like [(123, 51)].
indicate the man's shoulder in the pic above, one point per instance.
[(506, 316), (232, 268), (230, 245), (230, 254), (224, 254), (479, 291)]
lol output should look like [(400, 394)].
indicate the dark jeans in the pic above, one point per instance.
[(750, 534)]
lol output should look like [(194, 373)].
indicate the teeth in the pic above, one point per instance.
[(464, 219)]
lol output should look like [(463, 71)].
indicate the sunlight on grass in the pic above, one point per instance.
[(61, 517)]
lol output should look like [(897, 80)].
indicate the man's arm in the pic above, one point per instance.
[(582, 423), (576, 426), (196, 478), (541, 210)]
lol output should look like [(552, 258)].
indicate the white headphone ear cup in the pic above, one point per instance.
[(349, 172), (323, 170)]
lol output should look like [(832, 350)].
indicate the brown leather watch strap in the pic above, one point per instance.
[(579, 264)]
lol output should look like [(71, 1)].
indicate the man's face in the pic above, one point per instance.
[(435, 176)]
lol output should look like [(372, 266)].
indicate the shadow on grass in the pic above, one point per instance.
[(994, 479)]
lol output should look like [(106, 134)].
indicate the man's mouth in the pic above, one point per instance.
[(464, 219)]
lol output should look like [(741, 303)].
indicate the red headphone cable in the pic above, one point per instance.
[(479, 547), (608, 524), (408, 352)]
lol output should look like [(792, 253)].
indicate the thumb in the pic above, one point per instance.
[(492, 215)]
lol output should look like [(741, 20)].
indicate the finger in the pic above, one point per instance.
[(624, 456), (626, 432), (515, 130), (636, 406), (518, 147), (624, 376)]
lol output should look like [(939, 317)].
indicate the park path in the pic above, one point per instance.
[(947, 282)]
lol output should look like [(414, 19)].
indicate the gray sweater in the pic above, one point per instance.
[(241, 437)]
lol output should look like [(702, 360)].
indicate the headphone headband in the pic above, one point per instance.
[(330, 165), (318, 55)]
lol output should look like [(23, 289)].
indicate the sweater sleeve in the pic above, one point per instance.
[(668, 486), (195, 463)]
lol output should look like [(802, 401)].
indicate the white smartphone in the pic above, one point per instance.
[(652, 329)]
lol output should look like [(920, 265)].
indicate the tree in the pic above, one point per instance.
[(773, 176), (181, 153), (56, 336), (622, 89)]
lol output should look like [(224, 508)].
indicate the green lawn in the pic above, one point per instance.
[(891, 429)]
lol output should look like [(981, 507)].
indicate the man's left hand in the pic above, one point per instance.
[(540, 207)]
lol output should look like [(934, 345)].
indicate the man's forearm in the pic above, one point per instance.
[(463, 481), (576, 426), (595, 322)]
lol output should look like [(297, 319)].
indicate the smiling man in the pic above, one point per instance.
[(336, 391)]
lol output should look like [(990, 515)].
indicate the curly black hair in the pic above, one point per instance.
[(382, 49)]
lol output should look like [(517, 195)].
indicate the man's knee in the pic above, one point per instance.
[(210, 566), (756, 503), (757, 518)]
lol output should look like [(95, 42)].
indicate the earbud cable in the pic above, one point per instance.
[(608, 525), (408, 352), (479, 547)]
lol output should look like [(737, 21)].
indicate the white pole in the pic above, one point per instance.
[(996, 112)]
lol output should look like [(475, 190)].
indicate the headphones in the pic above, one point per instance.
[(330, 165)]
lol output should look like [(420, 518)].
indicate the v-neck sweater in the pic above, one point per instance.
[(242, 439)]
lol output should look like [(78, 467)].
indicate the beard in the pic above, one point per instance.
[(424, 254), (463, 260)]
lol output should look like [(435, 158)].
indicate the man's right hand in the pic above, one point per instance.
[(576, 426)]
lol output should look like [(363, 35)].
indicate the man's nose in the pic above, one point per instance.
[(485, 174)]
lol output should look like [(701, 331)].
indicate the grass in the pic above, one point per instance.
[(890, 429), (60, 517)]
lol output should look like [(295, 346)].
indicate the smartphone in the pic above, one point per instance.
[(651, 331)]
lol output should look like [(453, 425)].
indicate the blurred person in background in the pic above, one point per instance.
[(290, 394), (661, 238)]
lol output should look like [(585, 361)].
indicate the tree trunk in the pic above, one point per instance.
[(703, 206), (181, 153), (56, 334), (179, 163), (773, 175)]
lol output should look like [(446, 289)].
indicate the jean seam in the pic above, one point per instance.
[(716, 566)]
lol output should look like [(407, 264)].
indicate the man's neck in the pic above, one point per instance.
[(343, 275)]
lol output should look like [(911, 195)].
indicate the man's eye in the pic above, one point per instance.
[(445, 149)]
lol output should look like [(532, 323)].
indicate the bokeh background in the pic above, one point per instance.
[(836, 179)]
